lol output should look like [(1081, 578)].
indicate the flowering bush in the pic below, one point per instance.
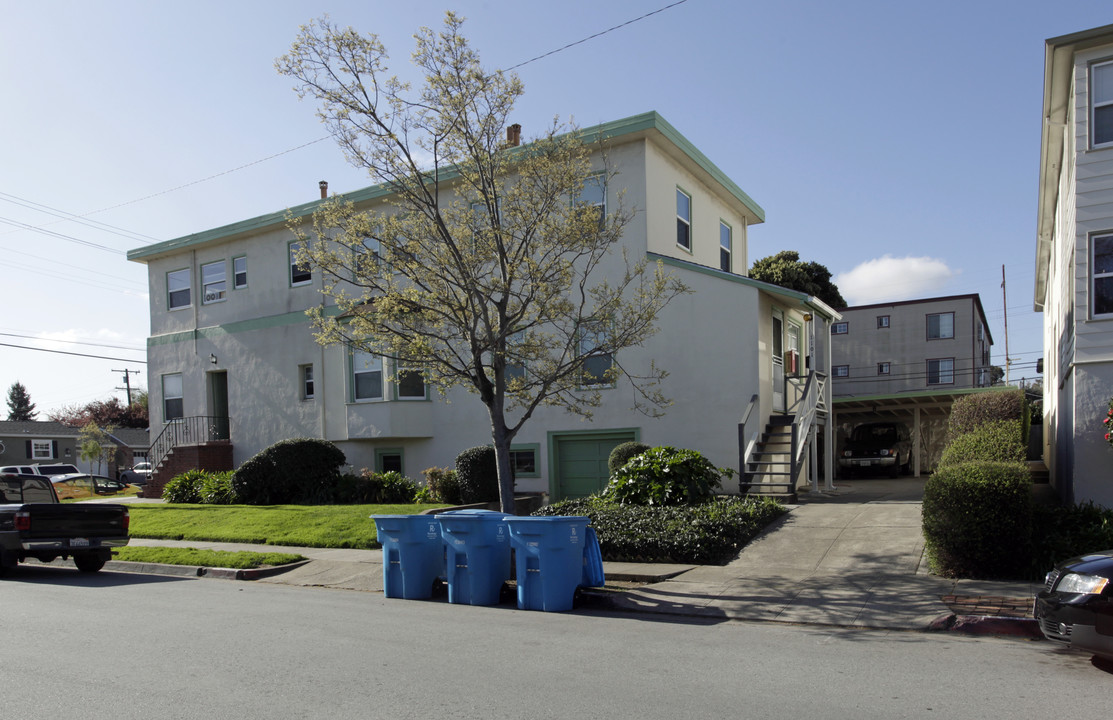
[(1108, 421)]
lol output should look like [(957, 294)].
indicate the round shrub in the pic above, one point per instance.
[(971, 411), (622, 454), (993, 441), (298, 471), (665, 476), (477, 475), (977, 520), (184, 488)]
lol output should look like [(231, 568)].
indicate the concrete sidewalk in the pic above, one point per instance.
[(850, 558)]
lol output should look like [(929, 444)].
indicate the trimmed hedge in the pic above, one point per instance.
[(373, 488), (477, 475), (1064, 532), (710, 533), (977, 520), (623, 453), (665, 476), (970, 411), (301, 471), (994, 441)]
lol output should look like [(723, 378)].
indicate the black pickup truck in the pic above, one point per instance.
[(34, 524)]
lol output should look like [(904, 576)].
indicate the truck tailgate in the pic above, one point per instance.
[(74, 520)]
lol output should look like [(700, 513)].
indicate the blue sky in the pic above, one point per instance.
[(896, 143)]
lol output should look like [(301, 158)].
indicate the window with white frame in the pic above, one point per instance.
[(177, 289), (594, 195), (683, 219), (940, 326), (367, 376), (305, 377), (173, 406), (840, 328), (883, 368), (299, 273), (239, 272), (882, 321), (42, 450), (371, 256), (941, 371), (1101, 104), (840, 371), (597, 365), (726, 245), (1101, 272), (214, 284), (411, 384)]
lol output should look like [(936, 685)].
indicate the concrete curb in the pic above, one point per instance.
[(200, 571), (987, 625)]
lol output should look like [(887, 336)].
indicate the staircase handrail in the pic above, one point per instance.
[(193, 430), (746, 446)]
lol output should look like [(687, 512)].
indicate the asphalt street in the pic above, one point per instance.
[(123, 645)]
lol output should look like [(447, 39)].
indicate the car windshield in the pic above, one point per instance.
[(875, 433)]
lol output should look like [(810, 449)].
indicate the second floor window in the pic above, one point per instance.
[(307, 382), (213, 283), (177, 289), (1102, 273), (882, 321), (1101, 104), (299, 274), (725, 246), (683, 219), (367, 376), (239, 272), (597, 366), (594, 195), (941, 326), (840, 329), (941, 372)]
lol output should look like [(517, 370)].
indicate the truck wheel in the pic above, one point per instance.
[(88, 563)]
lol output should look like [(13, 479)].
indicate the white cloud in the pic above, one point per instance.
[(890, 279)]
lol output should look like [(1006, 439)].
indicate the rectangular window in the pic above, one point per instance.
[(213, 282), (306, 377), (172, 403), (882, 321), (941, 372), (683, 219), (941, 326), (725, 246), (367, 376), (411, 384), (177, 288), (370, 257), (594, 195), (299, 274), (239, 273), (883, 368), (523, 461), (1101, 104), (388, 460), (598, 366), (840, 328), (42, 450), (1101, 264), (841, 371)]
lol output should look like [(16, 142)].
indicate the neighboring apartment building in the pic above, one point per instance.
[(1074, 262), (938, 343), (231, 344)]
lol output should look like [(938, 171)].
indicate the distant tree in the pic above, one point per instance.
[(996, 375), (94, 443), (104, 413), (20, 406), (786, 269)]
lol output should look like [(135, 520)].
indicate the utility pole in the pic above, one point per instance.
[(127, 382), (1005, 302)]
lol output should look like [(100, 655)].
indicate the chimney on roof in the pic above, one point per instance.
[(514, 135), (324, 188)]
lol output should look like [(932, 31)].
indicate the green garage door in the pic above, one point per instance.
[(581, 462)]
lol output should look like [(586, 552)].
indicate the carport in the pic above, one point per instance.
[(925, 413)]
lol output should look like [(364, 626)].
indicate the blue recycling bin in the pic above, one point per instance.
[(477, 555), (593, 562), (413, 554), (549, 560)]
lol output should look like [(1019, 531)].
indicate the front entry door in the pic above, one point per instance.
[(218, 404), (778, 374)]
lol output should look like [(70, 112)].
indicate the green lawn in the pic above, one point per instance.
[(339, 526), (203, 558)]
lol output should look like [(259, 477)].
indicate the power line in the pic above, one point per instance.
[(72, 342), (64, 216), (63, 352)]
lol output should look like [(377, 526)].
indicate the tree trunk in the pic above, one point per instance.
[(501, 438)]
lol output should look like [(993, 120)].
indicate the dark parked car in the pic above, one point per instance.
[(1076, 605), (877, 447)]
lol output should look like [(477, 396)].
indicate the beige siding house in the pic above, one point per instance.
[(1074, 262), (231, 344)]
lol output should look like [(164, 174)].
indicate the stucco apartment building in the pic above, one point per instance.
[(231, 344), (1074, 262), (940, 343)]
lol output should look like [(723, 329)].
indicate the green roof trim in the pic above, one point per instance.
[(296, 317), (643, 123)]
